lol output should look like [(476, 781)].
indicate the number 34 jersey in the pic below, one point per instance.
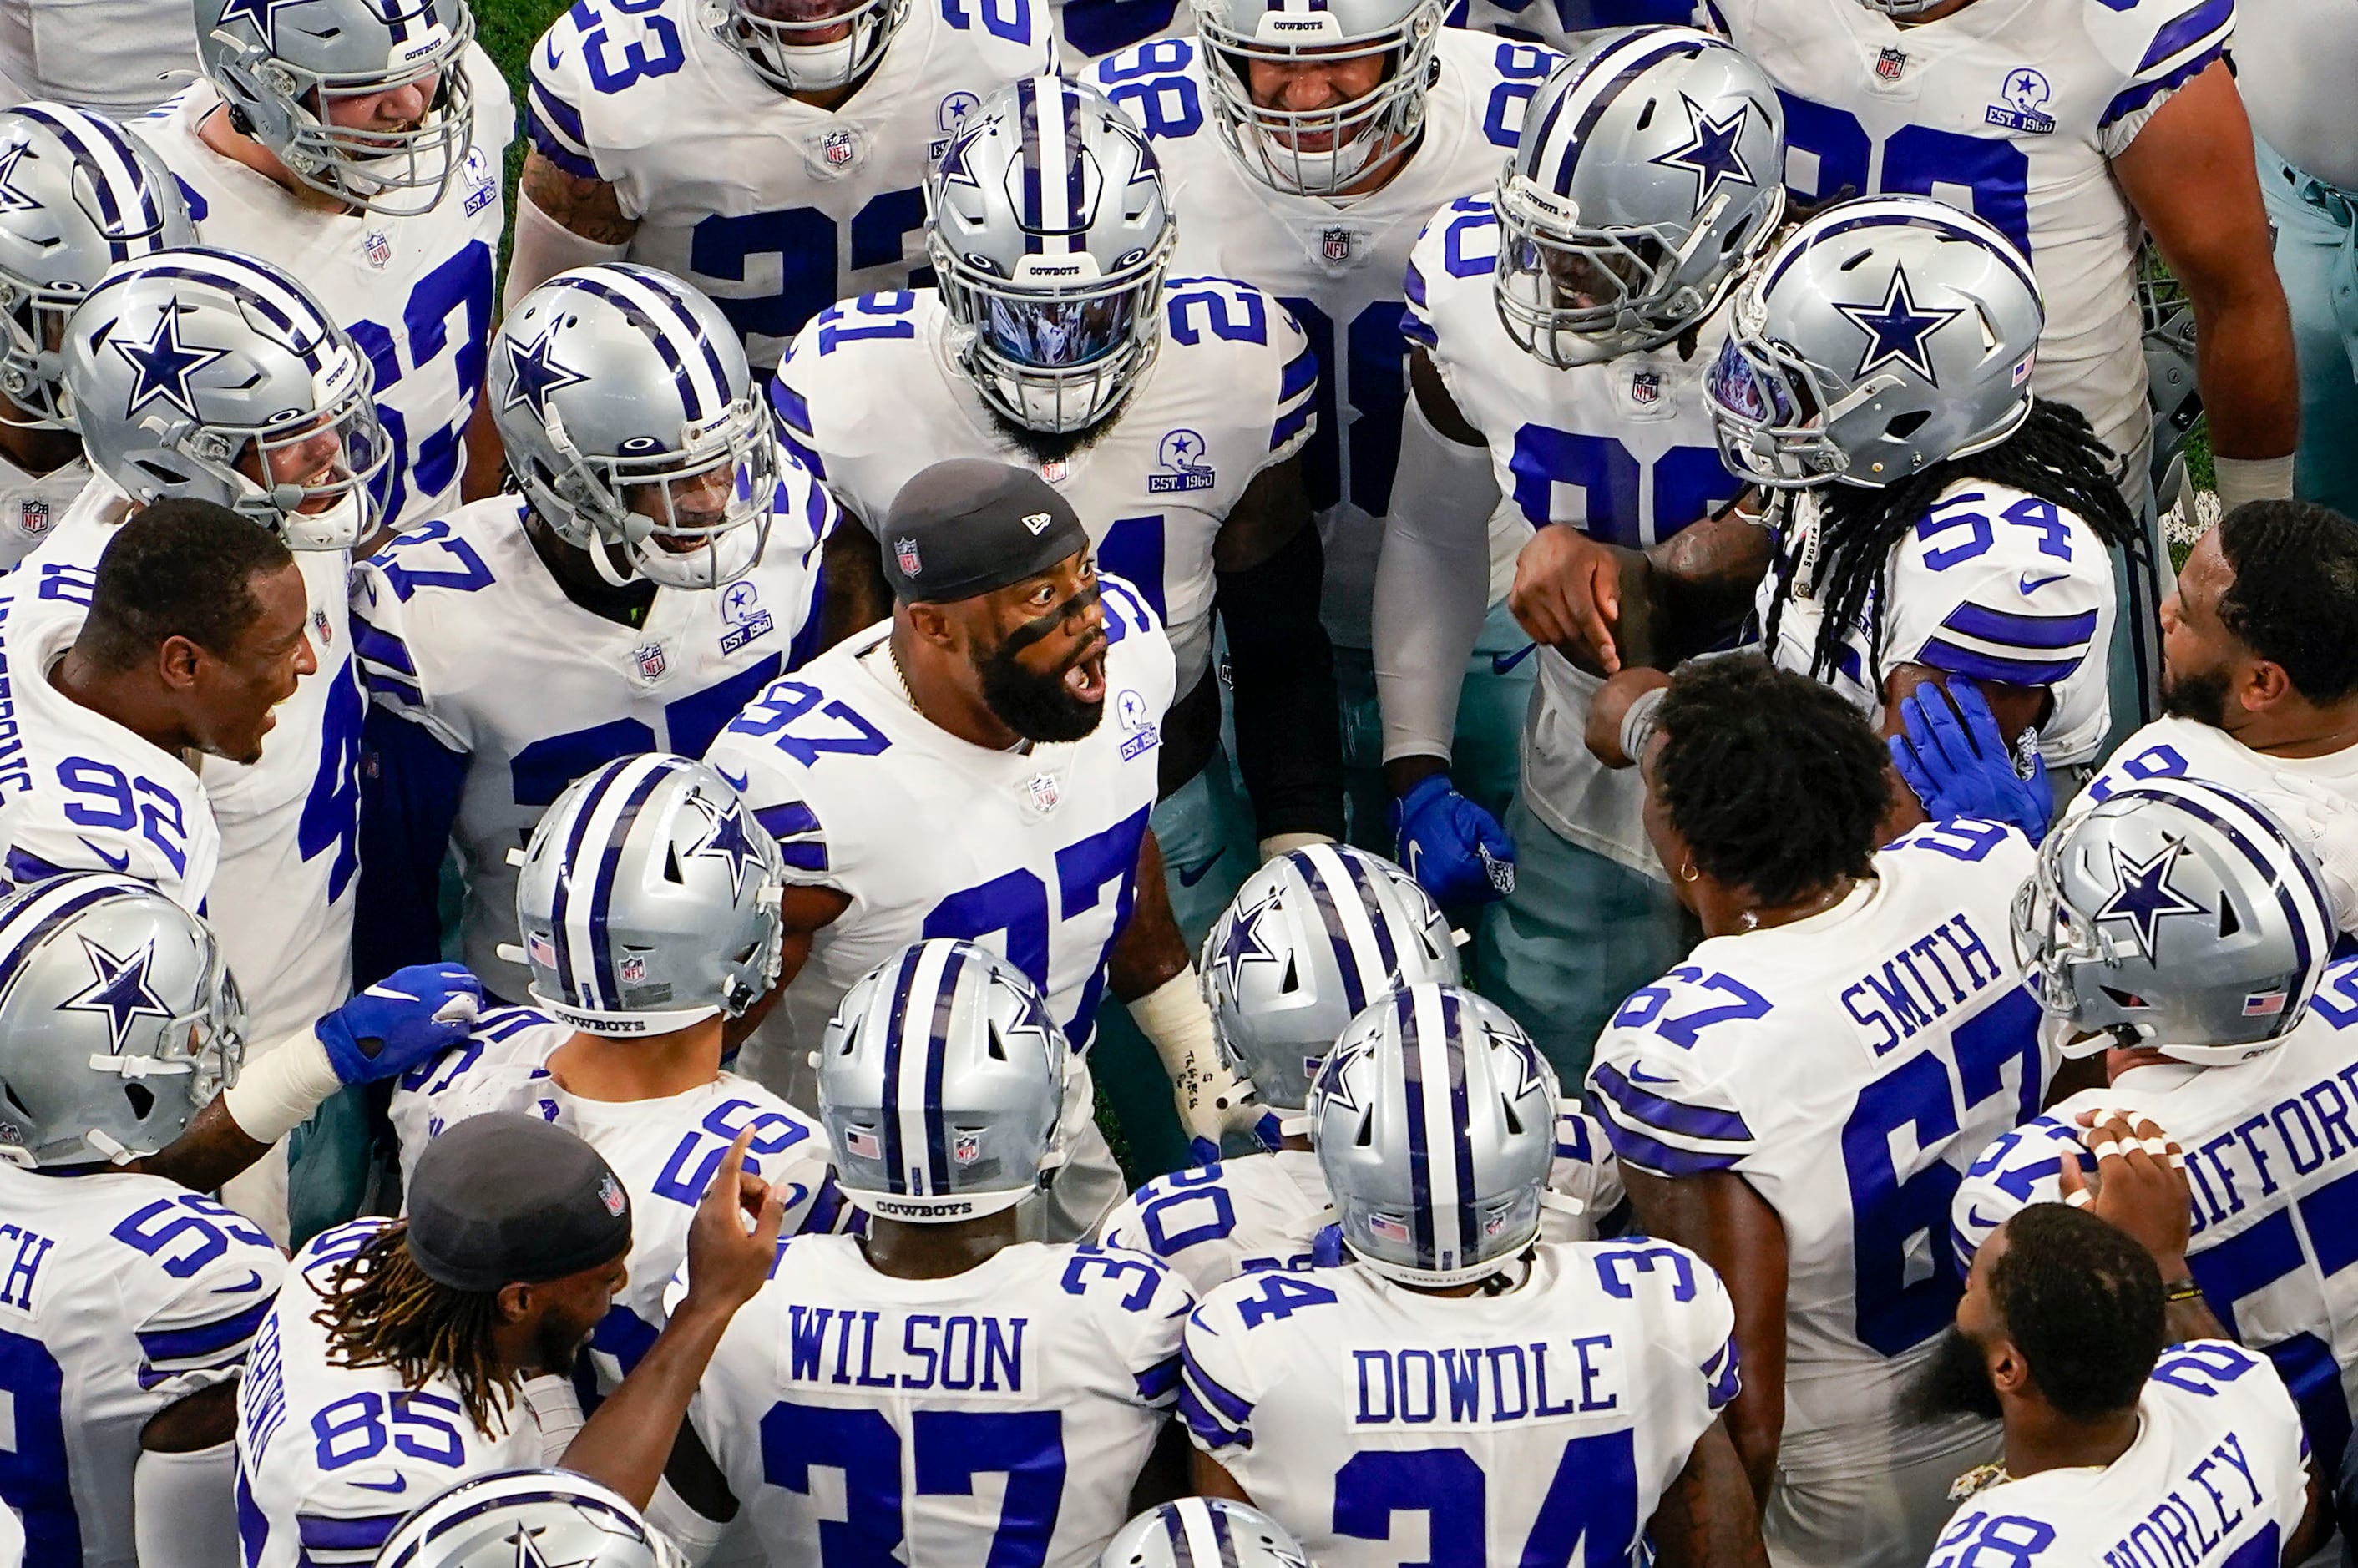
[(1846, 1066), (1519, 1426), (996, 1417)]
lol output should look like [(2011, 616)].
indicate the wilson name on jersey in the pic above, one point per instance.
[(871, 392), (774, 208), (120, 1295), (1847, 1065), (879, 1416), (1337, 269), (1520, 1425)]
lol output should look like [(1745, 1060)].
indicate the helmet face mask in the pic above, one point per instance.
[(1323, 151), (806, 46)]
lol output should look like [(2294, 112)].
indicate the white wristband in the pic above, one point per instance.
[(1277, 843), (689, 1533), (1175, 1018), (558, 1410), (2252, 479), (1637, 721), (278, 1090)]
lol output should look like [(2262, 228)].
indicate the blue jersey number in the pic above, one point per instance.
[(187, 1233), (124, 805), (801, 245), (1149, 83), (449, 312), (34, 1479), (1373, 359), (1589, 1517), (539, 772), (331, 813), (657, 53), (416, 1423), (948, 1449), (1688, 484), (1987, 175), (690, 1168)]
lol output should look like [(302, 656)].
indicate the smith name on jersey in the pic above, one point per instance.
[(1846, 1066), (998, 1415), (873, 392), (414, 293), (774, 207), (511, 691), (120, 1295), (1521, 1425), (2013, 113), (1337, 269)]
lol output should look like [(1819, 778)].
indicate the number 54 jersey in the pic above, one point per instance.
[(1540, 1424)]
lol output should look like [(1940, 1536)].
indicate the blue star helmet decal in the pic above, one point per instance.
[(1531, 1076), (1712, 154), (164, 364), (118, 989), (1036, 1021), (262, 14), (11, 199), (2144, 896), (536, 373), (1897, 327), (1243, 943), (725, 839), (1332, 1084)]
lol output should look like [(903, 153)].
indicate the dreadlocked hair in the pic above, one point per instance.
[(2055, 456), (382, 1311)]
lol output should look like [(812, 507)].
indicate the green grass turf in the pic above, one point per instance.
[(507, 29)]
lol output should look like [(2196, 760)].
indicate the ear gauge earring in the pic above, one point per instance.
[(1687, 873)]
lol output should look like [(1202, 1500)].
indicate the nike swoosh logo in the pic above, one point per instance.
[(120, 862), (1189, 877), (253, 1282), (1973, 1215), (1501, 662), (1638, 1075), (550, 53), (2028, 586), (398, 1484), (734, 781)]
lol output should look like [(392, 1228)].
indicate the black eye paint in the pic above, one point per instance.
[(1040, 626)]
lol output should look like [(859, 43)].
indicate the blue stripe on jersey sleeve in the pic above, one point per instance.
[(1412, 288), (1649, 1153), (2132, 99), (784, 822), (1721, 1375), (792, 406), (319, 1533), (1417, 329), (376, 646), (546, 123), (2184, 32), (2024, 631), (1668, 1115), (204, 1339), (1289, 425), (1211, 1411), (793, 426), (1944, 654), (1159, 1384), (1300, 375)]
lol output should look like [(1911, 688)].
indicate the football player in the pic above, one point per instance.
[(668, 555), (1305, 146), (356, 145), (1171, 418), (1561, 328), (982, 765), (1799, 1098), (770, 152), (1532, 1400), (87, 195), (403, 1355), (869, 1399), (1196, 1532)]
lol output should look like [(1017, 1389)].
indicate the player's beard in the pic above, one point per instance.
[(2201, 698), (1954, 1381), (1037, 706), (1044, 449)]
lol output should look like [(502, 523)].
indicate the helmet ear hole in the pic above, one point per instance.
[(19, 1107), (2123, 999), (671, 866), (1908, 424), (1366, 1136), (1293, 980), (1506, 1110), (997, 1045), (142, 1098), (2230, 922)]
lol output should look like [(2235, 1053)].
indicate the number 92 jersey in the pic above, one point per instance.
[(1846, 1066), (1990, 583), (774, 208), (1521, 1425)]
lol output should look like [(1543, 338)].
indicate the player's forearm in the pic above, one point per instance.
[(209, 1150), (629, 1440), (1756, 1425), (1702, 580), (2243, 362), (1289, 745), (1432, 588), (1709, 1517), (1150, 951)]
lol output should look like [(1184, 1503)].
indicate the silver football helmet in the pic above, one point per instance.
[(1878, 338), (2174, 914), (118, 1021), (195, 372), (1049, 232), (1203, 1532), (941, 1082), (1317, 152), (806, 46), (1435, 1121), (1650, 173), (287, 68), (514, 1519), (1312, 938), (77, 194), (2171, 391), (618, 387), (648, 900)]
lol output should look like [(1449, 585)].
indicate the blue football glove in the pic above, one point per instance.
[(1452, 847), (411, 1016), (1955, 760)]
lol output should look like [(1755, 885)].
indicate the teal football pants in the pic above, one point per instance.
[(2316, 229)]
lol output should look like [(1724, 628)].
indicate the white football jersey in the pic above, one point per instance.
[(281, 901), (78, 791), (2015, 114), (1624, 451), (120, 58), (871, 392), (855, 783), (332, 1458), (414, 293), (120, 1295), (1540, 1424), (31, 504), (994, 1417), (2216, 1474), (1337, 269), (774, 208), (665, 1150), (1990, 583), (2268, 1145), (1847, 1065), (437, 614)]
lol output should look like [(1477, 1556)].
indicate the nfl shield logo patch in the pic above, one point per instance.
[(968, 1148), (836, 149), (1044, 791), (905, 552), (1055, 469), (1889, 64), (1334, 244), (377, 246), (33, 516), (651, 660), (326, 633), (633, 970), (610, 1193), (1646, 387)]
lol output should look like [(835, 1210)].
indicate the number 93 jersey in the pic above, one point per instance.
[(774, 208), (1846, 1066), (1540, 1424), (994, 1419), (332, 1458), (1337, 269), (873, 392), (120, 1295), (1990, 583)]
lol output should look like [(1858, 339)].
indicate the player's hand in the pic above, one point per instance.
[(1214, 1099), (1453, 849), (1958, 763), (733, 1239), (411, 1016), (1567, 596), (1608, 710), (2140, 1186)]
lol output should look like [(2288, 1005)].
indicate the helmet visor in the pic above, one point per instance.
[(699, 518), (1767, 416), (1057, 334)]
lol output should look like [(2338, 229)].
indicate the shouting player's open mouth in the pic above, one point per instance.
[(1084, 677)]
